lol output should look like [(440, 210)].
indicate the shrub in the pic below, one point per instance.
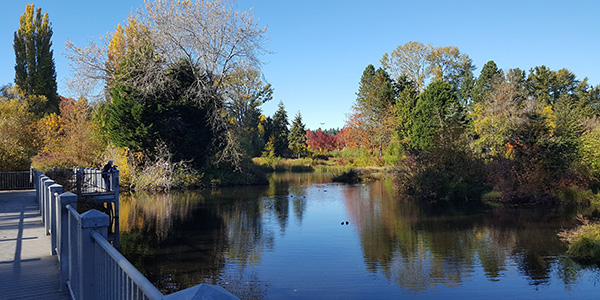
[(453, 176), (348, 177), (584, 241)]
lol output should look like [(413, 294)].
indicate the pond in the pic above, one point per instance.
[(304, 237)]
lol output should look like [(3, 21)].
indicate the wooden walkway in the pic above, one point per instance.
[(27, 268)]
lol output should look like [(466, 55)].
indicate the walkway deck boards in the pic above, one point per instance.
[(27, 268)]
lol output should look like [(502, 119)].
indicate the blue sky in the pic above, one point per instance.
[(320, 48)]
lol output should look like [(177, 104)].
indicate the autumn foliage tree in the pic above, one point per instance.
[(18, 134), (69, 138), (320, 141), (353, 134), (533, 132)]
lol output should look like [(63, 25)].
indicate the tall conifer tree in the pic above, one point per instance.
[(297, 136), (280, 131)]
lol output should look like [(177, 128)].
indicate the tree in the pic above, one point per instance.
[(411, 60), (297, 136), (166, 115), (548, 86), (245, 94), (230, 40), (320, 141), (34, 70), (280, 131), (541, 160), (489, 76), (496, 117), (403, 110), (70, 139), (431, 113), (18, 135), (374, 104), (590, 147), (354, 134), (422, 64), (449, 65), (129, 123)]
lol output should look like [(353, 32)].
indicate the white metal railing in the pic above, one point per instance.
[(118, 278), (90, 267)]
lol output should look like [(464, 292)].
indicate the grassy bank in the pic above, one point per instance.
[(299, 165), (584, 241)]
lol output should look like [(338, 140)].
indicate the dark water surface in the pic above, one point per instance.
[(287, 241)]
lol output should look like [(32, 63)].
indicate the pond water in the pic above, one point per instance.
[(290, 240)]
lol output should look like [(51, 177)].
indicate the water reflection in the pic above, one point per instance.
[(285, 240)]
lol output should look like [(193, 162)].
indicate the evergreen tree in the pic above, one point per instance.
[(280, 131), (128, 123), (431, 113), (34, 70), (490, 75), (297, 136), (374, 103), (167, 114), (403, 109)]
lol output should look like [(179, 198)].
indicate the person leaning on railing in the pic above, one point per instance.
[(106, 170)]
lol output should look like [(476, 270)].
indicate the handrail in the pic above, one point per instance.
[(142, 284), (74, 213), (90, 267)]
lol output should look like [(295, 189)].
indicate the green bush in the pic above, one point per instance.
[(574, 195), (584, 242)]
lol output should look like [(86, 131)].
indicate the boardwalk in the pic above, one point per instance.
[(27, 268)]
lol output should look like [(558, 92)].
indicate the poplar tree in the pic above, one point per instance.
[(34, 69)]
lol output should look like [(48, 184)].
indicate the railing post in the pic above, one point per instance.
[(41, 194), (35, 175), (46, 200), (115, 187), (53, 191), (92, 220), (62, 201), (79, 180)]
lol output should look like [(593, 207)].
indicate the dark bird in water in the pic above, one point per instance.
[(346, 222), (342, 222)]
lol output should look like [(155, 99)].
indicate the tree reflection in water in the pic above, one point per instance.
[(419, 247), (231, 237)]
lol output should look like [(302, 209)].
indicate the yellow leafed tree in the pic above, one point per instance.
[(18, 138), (69, 139)]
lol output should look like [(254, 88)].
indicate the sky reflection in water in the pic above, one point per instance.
[(287, 241)]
